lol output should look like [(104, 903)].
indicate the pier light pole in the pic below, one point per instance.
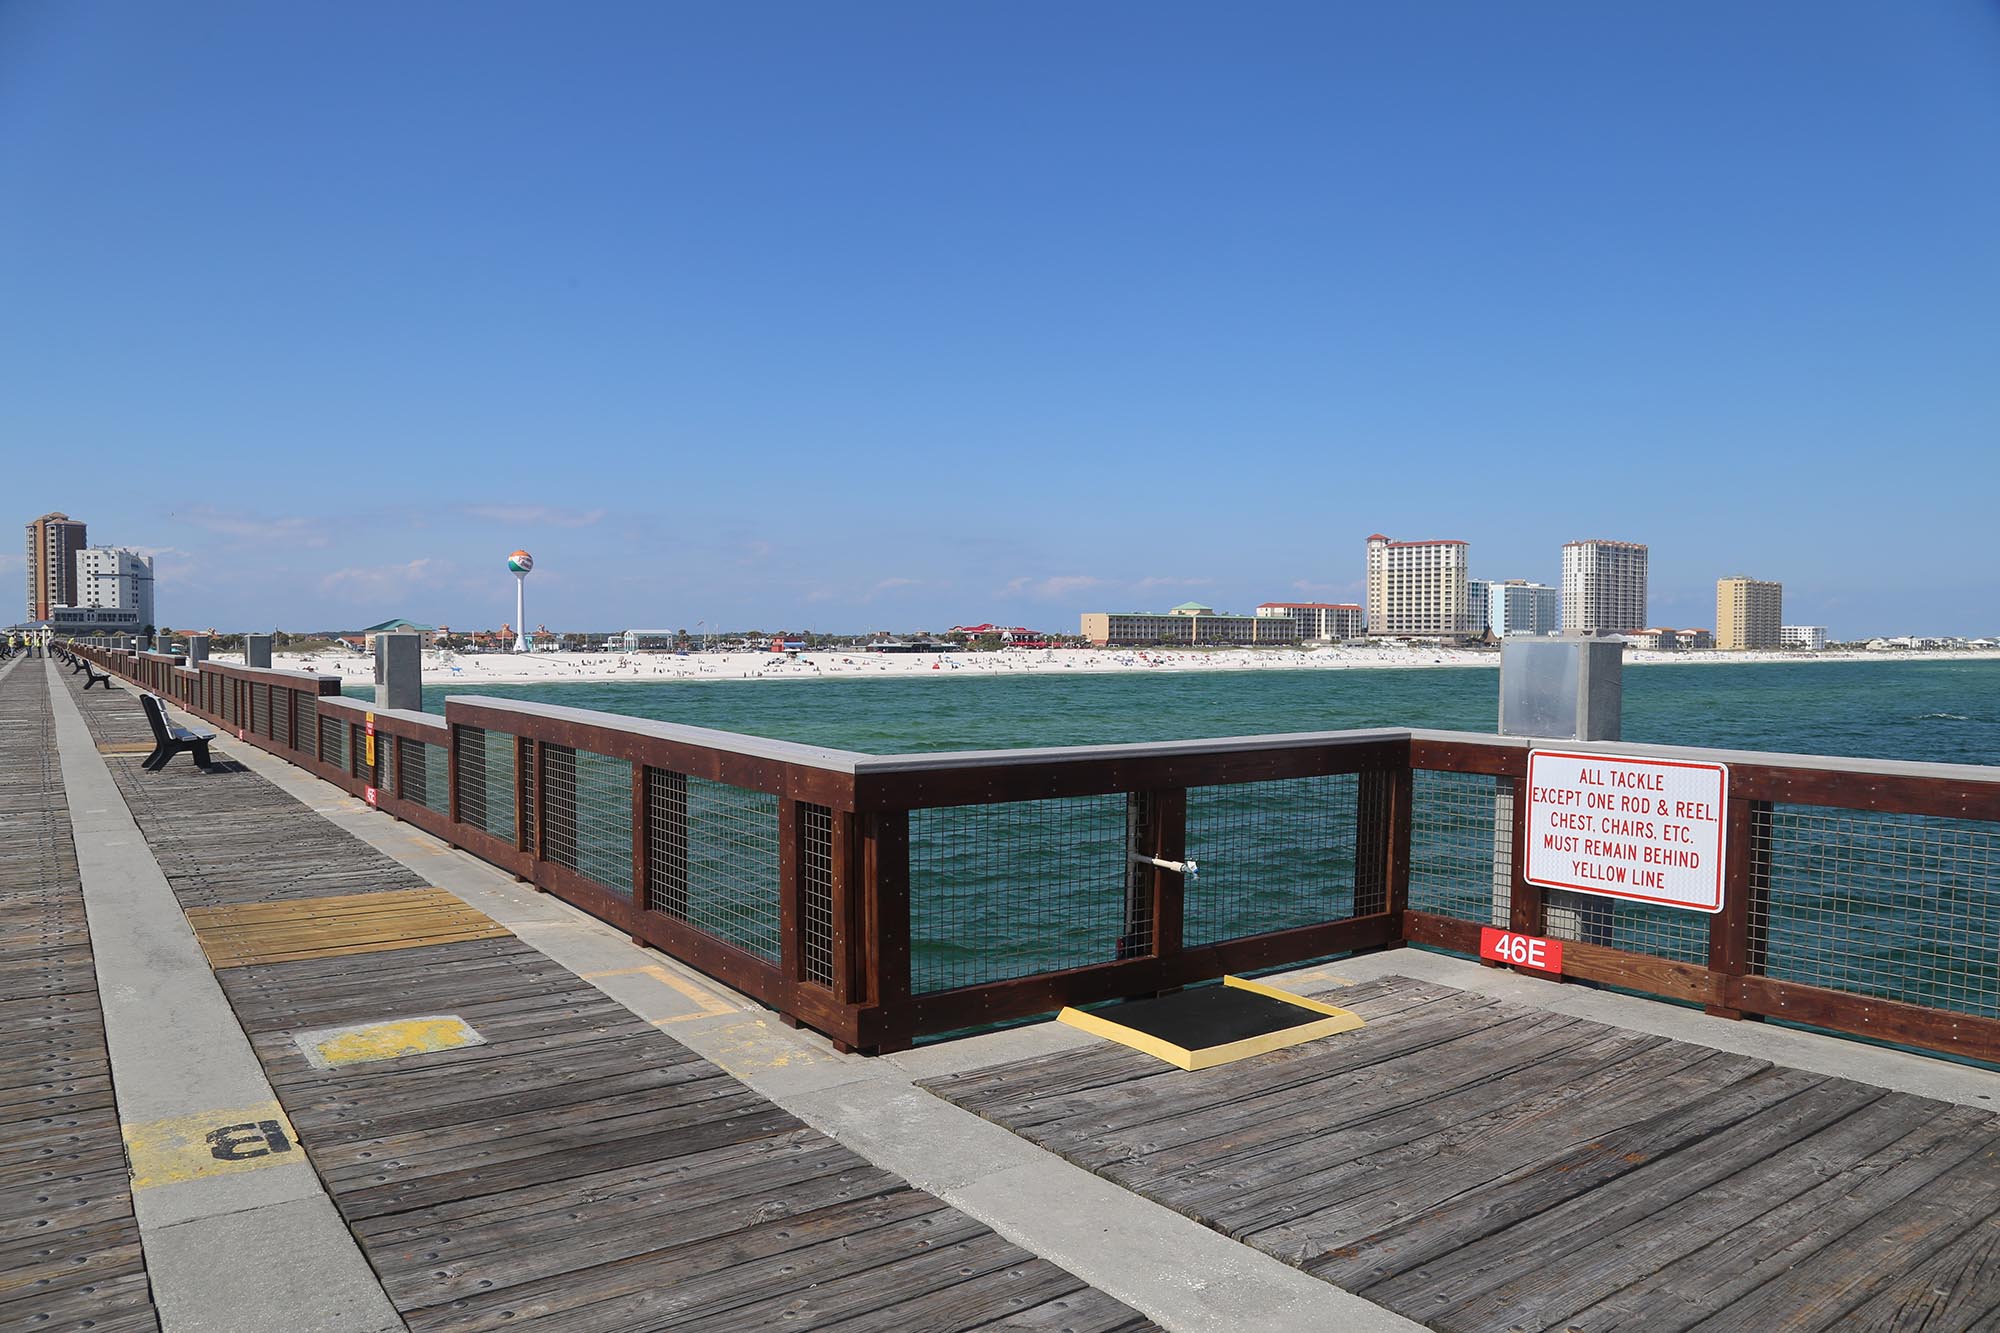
[(521, 563)]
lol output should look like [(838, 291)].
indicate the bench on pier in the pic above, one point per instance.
[(92, 676), (170, 740)]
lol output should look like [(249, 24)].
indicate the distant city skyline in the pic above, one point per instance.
[(906, 316)]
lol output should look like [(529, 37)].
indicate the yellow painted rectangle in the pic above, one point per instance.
[(209, 1143), (336, 1048)]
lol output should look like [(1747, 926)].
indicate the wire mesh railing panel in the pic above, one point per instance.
[(385, 764), (1461, 846), (1665, 932), (260, 708), (713, 859), (1003, 891), (587, 809), (436, 761), (1901, 907), (816, 891), (281, 716), (307, 723), (1270, 856), (499, 775), (525, 754), (333, 742)]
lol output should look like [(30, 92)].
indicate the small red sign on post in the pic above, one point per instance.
[(369, 794), (1504, 946)]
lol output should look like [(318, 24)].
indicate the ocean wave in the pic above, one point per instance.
[(1942, 717)]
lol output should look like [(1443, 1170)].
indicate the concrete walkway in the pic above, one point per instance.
[(242, 1241)]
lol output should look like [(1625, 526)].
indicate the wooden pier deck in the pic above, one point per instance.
[(1477, 1165), (69, 1244), (578, 1168)]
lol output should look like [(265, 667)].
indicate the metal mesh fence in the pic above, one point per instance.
[(1462, 862), (713, 859), (486, 780), (281, 716), (1902, 907), (587, 806), (1000, 891), (426, 774), (333, 742), (1271, 856), (385, 763), (525, 755), (1461, 858), (260, 708), (816, 891), (307, 723)]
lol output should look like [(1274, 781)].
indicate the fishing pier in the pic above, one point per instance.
[(527, 1012)]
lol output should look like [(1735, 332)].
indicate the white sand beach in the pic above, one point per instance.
[(555, 668)]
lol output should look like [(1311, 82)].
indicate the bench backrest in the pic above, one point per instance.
[(156, 717)]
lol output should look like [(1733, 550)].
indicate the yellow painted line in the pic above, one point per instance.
[(709, 1004), (209, 1143), (334, 1048)]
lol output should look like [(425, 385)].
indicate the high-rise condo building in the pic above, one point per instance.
[(1749, 613), (1810, 637), (1335, 621), (1478, 605), (1520, 607), (53, 543), (118, 579), (1604, 587), (1419, 587)]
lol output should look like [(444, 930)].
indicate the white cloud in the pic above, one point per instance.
[(372, 583), (1161, 581), (294, 531), (1048, 589), (547, 516)]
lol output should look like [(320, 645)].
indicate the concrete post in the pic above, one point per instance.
[(1562, 689), (257, 650), (197, 649), (399, 673)]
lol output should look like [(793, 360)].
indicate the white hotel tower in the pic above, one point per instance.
[(1419, 588), (1604, 587)]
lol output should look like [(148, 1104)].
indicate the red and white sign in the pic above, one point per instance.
[(1504, 946), (368, 794), (1645, 830)]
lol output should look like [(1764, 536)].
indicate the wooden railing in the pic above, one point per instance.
[(881, 899)]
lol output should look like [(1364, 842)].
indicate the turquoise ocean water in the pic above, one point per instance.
[(1941, 711), (1904, 909)]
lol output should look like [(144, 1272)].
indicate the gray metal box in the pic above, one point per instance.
[(1569, 689)]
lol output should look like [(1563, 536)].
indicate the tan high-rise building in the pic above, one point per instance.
[(54, 542), (1749, 613), (1419, 588), (1604, 587)]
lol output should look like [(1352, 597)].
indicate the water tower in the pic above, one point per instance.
[(521, 563)]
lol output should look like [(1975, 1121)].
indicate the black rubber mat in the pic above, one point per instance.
[(1208, 1016)]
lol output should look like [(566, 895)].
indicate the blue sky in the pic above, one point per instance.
[(886, 315)]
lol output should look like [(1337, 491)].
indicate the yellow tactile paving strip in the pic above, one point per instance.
[(247, 934)]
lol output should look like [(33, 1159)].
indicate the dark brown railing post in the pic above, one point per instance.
[(1382, 821), (1735, 948), (882, 865), (1527, 907), (1164, 821)]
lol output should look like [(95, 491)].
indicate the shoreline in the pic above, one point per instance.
[(599, 668)]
